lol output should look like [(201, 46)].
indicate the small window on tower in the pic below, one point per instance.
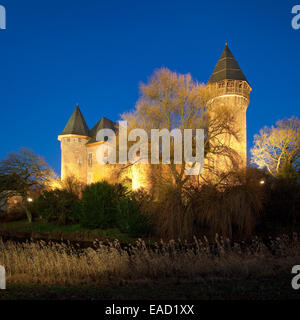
[(79, 161), (221, 84), (79, 140), (230, 84), (68, 139), (90, 159)]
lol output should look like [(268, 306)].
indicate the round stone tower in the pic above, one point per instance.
[(228, 88), (73, 141)]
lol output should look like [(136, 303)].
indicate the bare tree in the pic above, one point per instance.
[(21, 173), (277, 147), (170, 100), (72, 185)]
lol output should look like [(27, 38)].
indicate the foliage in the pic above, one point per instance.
[(281, 210), (99, 205), (169, 214), (278, 148), (167, 96), (57, 206), (21, 173), (228, 209), (288, 173), (105, 205), (72, 185), (131, 220), (224, 211), (40, 229), (144, 200)]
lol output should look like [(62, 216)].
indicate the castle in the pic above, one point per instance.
[(79, 144)]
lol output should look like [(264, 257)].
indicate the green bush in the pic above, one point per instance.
[(105, 205), (99, 205), (131, 220), (57, 206)]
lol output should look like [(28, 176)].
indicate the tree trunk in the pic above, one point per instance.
[(28, 212)]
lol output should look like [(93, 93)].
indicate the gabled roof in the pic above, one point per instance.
[(104, 123), (76, 124), (227, 68)]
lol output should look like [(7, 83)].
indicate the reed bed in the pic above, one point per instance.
[(63, 264)]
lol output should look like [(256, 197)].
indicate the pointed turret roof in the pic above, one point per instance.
[(227, 68), (76, 124), (104, 123)]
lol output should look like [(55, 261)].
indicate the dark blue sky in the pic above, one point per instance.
[(95, 52)]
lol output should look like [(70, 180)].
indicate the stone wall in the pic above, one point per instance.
[(74, 157), (238, 105)]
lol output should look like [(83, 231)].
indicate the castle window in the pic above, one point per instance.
[(221, 84), (230, 84), (68, 140), (79, 140), (79, 161), (90, 159)]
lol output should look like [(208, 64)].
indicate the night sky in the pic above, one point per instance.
[(57, 53)]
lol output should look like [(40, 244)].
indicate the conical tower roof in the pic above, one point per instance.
[(104, 123), (76, 124), (227, 68)]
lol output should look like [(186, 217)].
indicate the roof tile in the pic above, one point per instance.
[(227, 68), (76, 124)]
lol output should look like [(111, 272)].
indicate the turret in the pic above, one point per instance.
[(229, 88), (73, 141)]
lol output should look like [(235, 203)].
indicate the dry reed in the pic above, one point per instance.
[(63, 264)]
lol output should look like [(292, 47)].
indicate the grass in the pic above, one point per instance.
[(170, 270), (39, 228), (23, 225), (264, 288)]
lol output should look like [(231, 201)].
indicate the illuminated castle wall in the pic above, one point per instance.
[(78, 143)]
